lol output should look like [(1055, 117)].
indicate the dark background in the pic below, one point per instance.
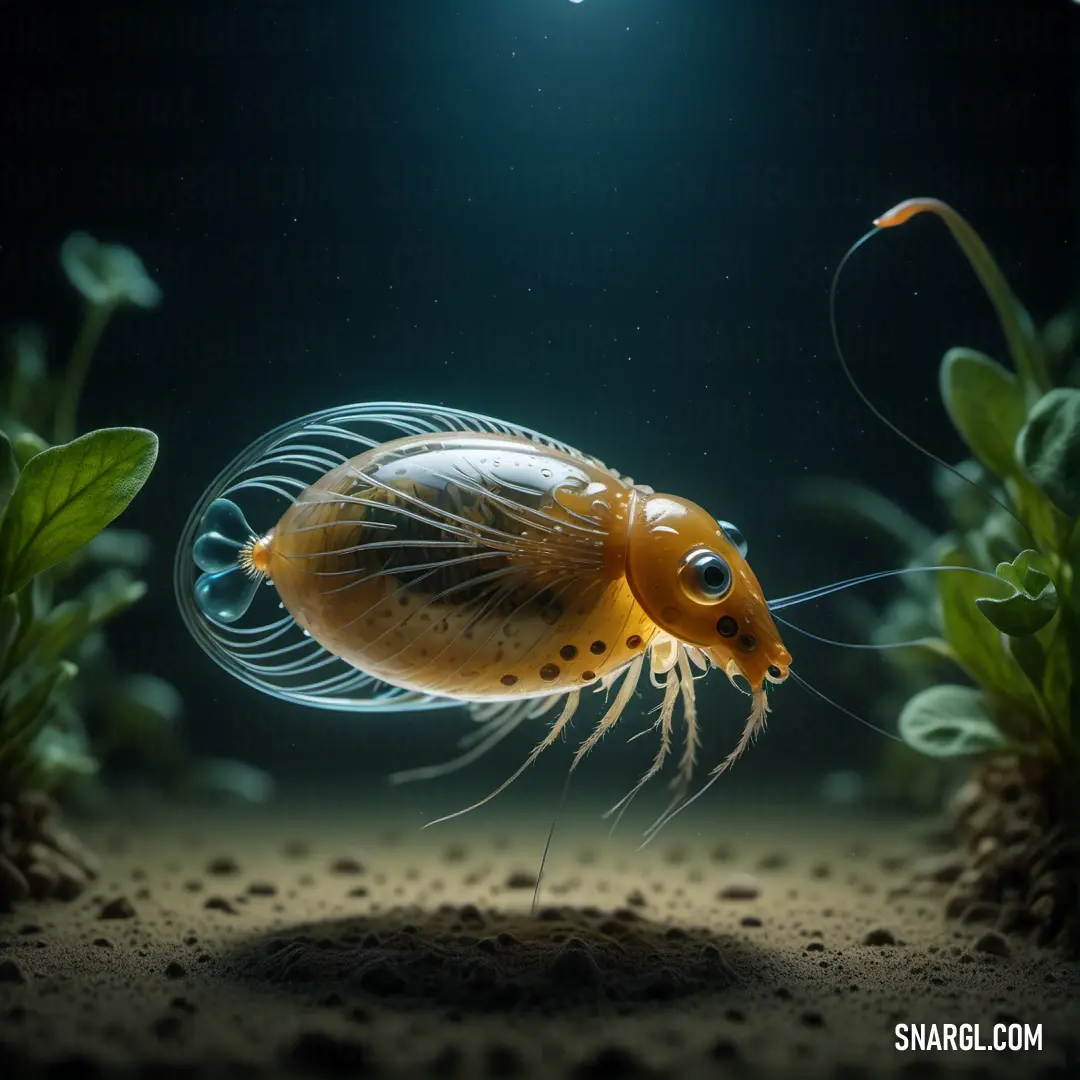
[(613, 221)]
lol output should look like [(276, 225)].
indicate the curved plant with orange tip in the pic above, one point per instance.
[(1019, 644)]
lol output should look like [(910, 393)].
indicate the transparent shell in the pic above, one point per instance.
[(479, 566)]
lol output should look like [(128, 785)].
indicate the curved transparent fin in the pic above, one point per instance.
[(243, 626)]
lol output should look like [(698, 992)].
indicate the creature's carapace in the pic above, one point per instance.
[(466, 560)]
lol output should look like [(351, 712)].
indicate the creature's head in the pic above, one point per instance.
[(689, 572)]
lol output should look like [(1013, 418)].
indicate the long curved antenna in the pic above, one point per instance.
[(847, 712), (854, 644), (782, 602), (887, 221)]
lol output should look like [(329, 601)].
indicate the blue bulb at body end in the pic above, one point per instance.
[(225, 595)]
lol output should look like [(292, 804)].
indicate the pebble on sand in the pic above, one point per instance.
[(740, 887), (120, 908)]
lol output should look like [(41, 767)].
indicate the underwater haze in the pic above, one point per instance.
[(588, 250)]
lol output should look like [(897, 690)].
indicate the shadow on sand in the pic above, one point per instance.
[(483, 961)]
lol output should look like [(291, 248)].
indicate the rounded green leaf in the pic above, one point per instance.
[(1048, 448), (25, 716), (1030, 607), (113, 592), (949, 721), (985, 402), (67, 494), (49, 638), (26, 445), (975, 642)]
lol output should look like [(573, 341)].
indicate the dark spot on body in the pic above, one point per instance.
[(633, 641), (597, 647), (568, 652), (508, 680), (549, 672), (551, 613), (726, 626), (748, 642), (588, 676)]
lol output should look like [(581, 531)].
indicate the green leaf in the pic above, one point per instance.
[(976, 643), (24, 718), (120, 547), (949, 721), (144, 707), (958, 487), (23, 383), (1058, 675), (27, 445), (67, 494), (58, 754), (50, 637), (854, 504), (1032, 604), (1029, 655), (9, 625), (985, 402), (9, 472), (1025, 347), (1048, 448), (112, 592)]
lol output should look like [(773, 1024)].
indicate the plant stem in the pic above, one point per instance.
[(1025, 347), (95, 320)]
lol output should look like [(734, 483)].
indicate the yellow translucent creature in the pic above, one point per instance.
[(431, 557)]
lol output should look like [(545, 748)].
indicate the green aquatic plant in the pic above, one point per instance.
[(96, 718), (63, 573), (1019, 642), (52, 507), (1014, 628), (95, 579)]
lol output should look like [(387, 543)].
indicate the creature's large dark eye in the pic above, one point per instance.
[(706, 576), (733, 533)]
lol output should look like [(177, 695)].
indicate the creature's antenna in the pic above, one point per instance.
[(883, 222)]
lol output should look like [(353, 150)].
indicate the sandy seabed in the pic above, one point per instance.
[(306, 939)]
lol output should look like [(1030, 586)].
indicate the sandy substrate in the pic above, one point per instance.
[(300, 940)]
